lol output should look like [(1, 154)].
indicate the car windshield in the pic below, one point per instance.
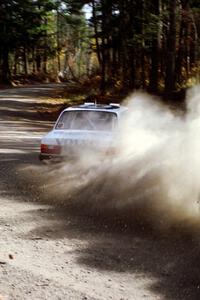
[(87, 120)]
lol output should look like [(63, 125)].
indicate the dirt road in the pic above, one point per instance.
[(50, 253)]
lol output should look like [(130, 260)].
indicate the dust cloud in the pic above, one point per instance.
[(153, 177)]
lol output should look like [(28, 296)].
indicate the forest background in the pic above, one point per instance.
[(116, 46)]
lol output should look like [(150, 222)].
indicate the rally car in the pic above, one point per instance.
[(87, 127)]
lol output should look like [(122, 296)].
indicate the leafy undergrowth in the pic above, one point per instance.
[(73, 93), (62, 97)]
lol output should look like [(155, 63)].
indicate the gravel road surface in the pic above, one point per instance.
[(47, 252)]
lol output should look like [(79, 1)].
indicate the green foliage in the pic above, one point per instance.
[(141, 44)]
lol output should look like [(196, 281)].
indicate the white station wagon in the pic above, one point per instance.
[(87, 127)]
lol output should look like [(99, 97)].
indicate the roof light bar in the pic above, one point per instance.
[(115, 104), (89, 103)]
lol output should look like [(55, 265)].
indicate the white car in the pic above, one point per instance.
[(87, 127)]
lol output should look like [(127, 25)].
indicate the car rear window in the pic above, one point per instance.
[(87, 120)]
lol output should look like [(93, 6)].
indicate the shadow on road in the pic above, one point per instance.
[(34, 104), (171, 259)]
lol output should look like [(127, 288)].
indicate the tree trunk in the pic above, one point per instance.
[(45, 63), (15, 63), (171, 52), (154, 55), (58, 43), (5, 76), (44, 67), (25, 61), (96, 31), (38, 63), (103, 54), (33, 60)]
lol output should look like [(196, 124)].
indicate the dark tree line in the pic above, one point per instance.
[(153, 45), (147, 44), (22, 31)]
